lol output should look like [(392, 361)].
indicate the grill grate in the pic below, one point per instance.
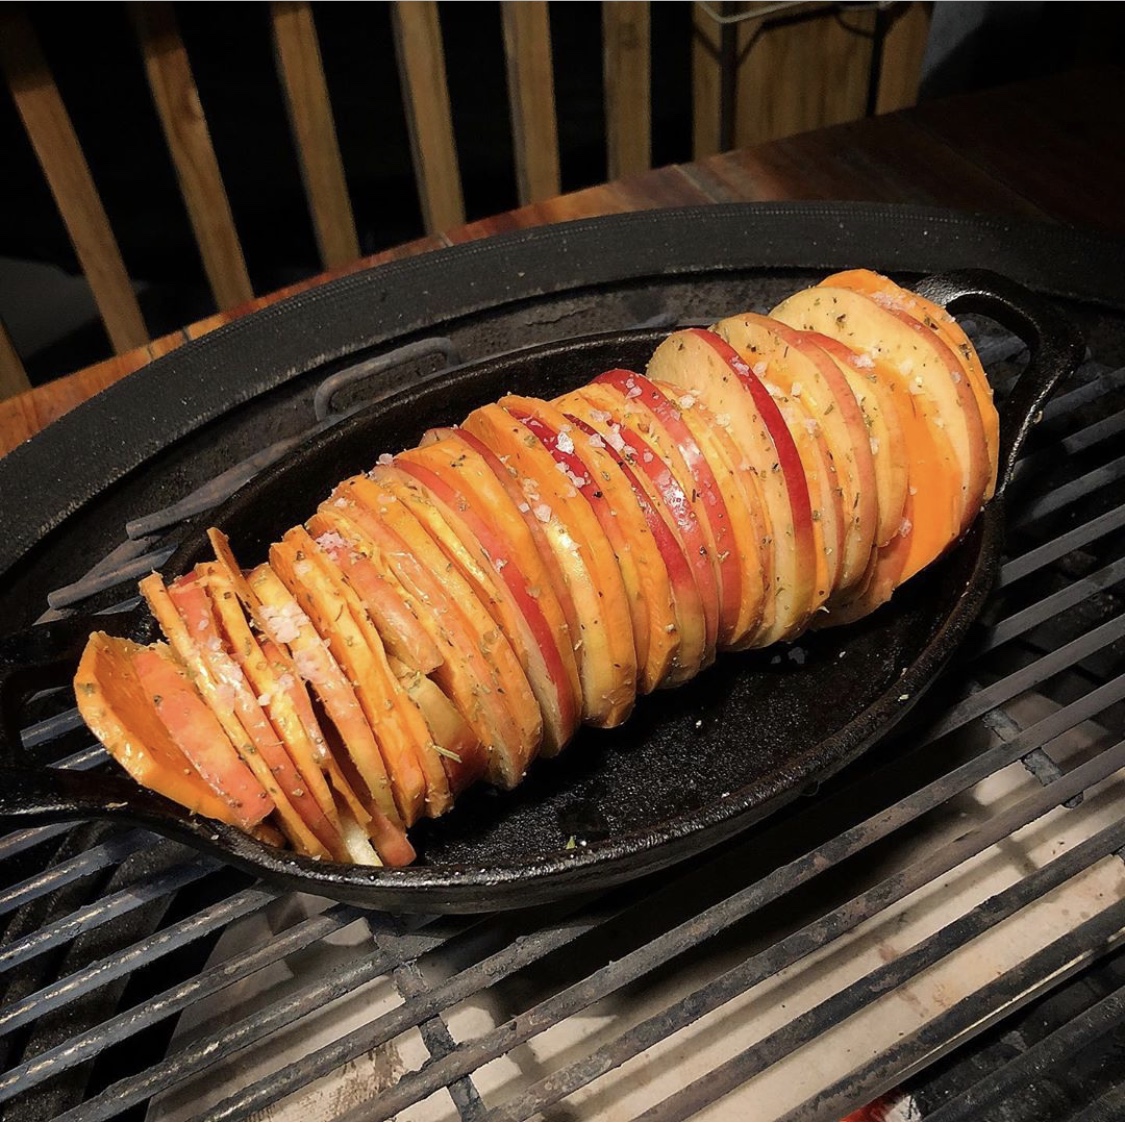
[(684, 994)]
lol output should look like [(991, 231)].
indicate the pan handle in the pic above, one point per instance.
[(29, 797), (47, 656), (1055, 344)]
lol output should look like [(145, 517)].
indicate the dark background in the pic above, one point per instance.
[(92, 50)]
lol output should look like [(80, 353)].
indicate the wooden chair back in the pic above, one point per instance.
[(422, 74)]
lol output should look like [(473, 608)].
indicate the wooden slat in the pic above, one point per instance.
[(56, 146), (706, 82), (801, 74), (628, 86), (314, 131), (189, 140), (903, 51), (531, 93), (13, 378), (425, 96)]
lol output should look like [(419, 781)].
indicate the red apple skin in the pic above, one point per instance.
[(700, 483), (710, 370), (688, 625), (597, 477), (575, 538), (542, 556), (828, 400), (552, 687), (667, 494)]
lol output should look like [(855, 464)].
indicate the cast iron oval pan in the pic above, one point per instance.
[(690, 768)]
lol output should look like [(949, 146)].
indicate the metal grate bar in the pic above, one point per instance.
[(1040, 612), (96, 858), (998, 693), (38, 733), (748, 1063), (1079, 442), (106, 577), (1070, 493), (91, 916), (208, 1050), (101, 972), (817, 935), (710, 922), (49, 1064), (1087, 393), (521, 952), (1046, 1056), (1027, 563), (212, 493), (17, 842), (1014, 989), (439, 1041), (94, 579)]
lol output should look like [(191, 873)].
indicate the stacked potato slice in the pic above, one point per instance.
[(465, 605)]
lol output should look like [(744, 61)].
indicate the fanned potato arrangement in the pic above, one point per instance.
[(466, 605)]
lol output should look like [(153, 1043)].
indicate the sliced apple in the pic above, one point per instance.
[(515, 691), (405, 639), (644, 408), (676, 533), (483, 558), (749, 521), (878, 406), (279, 616), (884, 291), (827, 509), (707, 369), (808, 378), (929, 386), (415, 769), (506, 528), (593, 578), (449, 731), (593, 470), (500, 698)]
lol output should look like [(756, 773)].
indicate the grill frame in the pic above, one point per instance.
[(525, 940)]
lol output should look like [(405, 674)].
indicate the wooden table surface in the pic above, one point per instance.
[(1051, 148)]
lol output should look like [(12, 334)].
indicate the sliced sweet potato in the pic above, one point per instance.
[(123, 717), (405, 736), (465, 674), (195, 729)]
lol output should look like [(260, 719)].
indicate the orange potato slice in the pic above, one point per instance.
[(194, 728), (121, 715), (185, 614)]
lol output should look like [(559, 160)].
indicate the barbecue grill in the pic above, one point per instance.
[(880, 932)]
